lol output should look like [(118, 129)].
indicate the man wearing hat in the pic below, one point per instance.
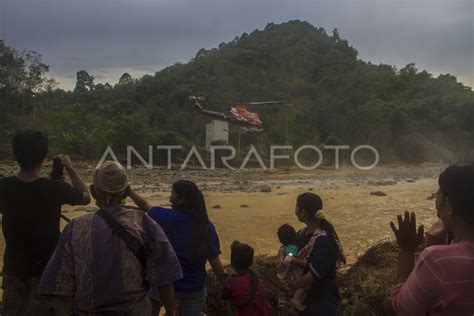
[(106, 262)]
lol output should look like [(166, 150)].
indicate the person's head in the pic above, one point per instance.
[(286, 234), (307, 205), (109, 183), (186, 196), (30, 149), (308, 209), (455, 197), (241, 256)]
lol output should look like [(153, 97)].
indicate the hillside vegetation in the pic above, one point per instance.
[(333, 98)]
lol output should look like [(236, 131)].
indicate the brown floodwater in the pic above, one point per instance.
[(360, 219)]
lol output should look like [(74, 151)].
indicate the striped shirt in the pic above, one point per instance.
[(442, 283)]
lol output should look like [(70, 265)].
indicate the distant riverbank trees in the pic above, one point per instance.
[(333, 97)]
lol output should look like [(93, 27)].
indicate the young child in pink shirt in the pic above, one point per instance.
[(244, 289)]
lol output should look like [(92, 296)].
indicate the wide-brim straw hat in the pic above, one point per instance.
[(110, 177)]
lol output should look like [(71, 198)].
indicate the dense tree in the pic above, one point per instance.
[(125, 79), (334, 98), (22, 80), (84, 82)]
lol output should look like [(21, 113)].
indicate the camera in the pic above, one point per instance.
[(58, 169)]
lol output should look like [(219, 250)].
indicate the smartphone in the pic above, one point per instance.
[(58, 169)]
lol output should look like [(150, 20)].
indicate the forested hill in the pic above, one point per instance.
[(334, 98)]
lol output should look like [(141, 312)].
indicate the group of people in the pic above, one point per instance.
[(137, 261)]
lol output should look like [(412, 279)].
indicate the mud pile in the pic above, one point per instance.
[(365, 286)]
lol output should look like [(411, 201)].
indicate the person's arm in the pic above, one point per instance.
[(408, 239), (141, 202), (213, 257), (418, 287), (299, 263), (280, 255), (406, 262), (303, 282), (162, 265), (218, 269), (437, 234), (422, 290), (76, 179), (63, 305), (167, 299)]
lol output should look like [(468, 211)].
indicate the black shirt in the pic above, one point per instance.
[(323, 265), (31, 215)]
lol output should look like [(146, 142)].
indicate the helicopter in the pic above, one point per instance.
[(237, 114)]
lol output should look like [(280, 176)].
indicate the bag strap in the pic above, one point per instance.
[(254, 281), (132, 243)]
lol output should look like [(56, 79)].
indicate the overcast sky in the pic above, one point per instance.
[(110, 37)]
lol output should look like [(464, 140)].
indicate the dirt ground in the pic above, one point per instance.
[(241, 211)]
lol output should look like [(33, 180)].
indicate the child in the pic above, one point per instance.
[(244, 289), (287, 236)]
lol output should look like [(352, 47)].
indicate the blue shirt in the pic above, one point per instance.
[(177, 226)]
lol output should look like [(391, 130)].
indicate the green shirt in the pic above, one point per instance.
[(293, 249)]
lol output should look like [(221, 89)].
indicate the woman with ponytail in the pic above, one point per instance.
[(195, 242), (322, 253)]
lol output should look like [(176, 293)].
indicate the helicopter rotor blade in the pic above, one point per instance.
[(227, 103), (266, 102)]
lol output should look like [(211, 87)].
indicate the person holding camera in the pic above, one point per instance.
[(31, 209)]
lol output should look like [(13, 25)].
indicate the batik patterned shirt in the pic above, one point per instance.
[(97, 268)]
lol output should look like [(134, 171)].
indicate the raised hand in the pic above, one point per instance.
[(407, 235), (65, 160)]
